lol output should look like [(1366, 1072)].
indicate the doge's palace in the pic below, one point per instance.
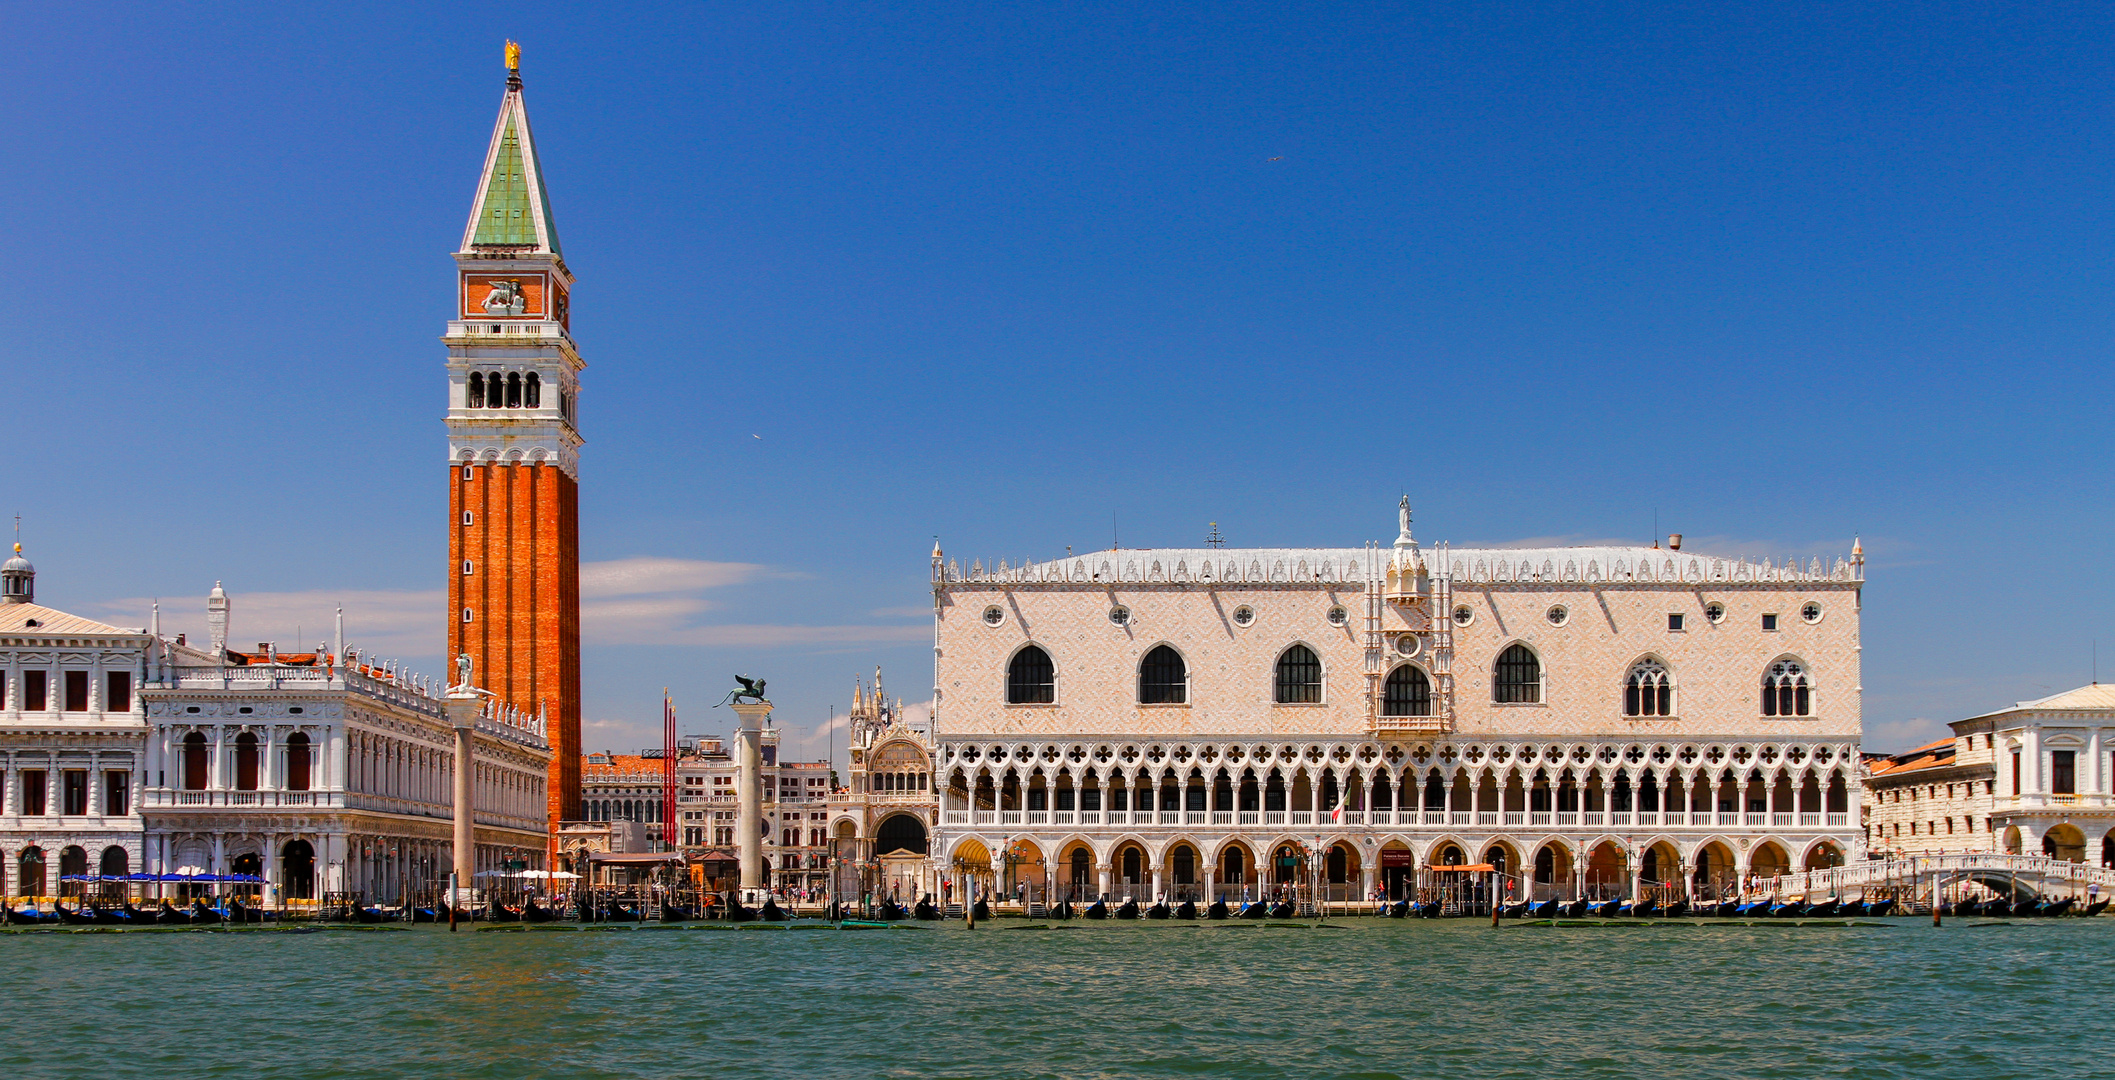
[(1592, 721)]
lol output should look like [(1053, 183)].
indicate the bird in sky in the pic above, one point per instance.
[(1280, 157)]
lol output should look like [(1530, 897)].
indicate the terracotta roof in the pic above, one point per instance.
[(1935, 755), (15, 618), (618, 765)]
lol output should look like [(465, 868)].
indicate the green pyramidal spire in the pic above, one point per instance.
[(512, 211)]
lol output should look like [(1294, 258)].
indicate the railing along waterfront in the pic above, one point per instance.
[(1430, 818), (1917, 871)]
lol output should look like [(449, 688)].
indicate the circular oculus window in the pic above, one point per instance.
[(994, 615), (1409, 645), (1464, 615), (1338, 616), (1811, 612), (1715, 611), (1120, 615), (1557, 615), (1244, 615)]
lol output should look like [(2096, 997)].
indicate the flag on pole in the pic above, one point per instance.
[(668, 768), (1336, 816)]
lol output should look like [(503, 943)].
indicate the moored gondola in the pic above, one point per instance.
[(201, 915), (1159, 910), (1098, 910), (1646, 909), (1129, 910), (1398, 910), (1607, 909), (1824, 910), (1515, 911), (925, 910), (982, 910), (74, 917), (169, 916), (771, 912), (891, 911), (1880, 907), (1752, 908), (1063, 911), (1429, 909), (1218, 910), (2049, 909), (1188, 910), (1576, 909), (2095, 908), (533, 912), (1547, 909), (1283, 909), (498, 912), (1678, 909), (1253, 909)]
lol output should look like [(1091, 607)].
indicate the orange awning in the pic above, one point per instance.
[(1482, 867)]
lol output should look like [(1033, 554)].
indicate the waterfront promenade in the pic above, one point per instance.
[(1371, 998)]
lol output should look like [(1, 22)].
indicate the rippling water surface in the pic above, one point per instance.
[(1372, 998)]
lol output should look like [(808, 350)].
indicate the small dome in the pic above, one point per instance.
[(18, 579)]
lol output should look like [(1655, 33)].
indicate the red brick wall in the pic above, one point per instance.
[(523, 592)]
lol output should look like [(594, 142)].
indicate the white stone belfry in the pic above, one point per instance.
[(749, 798)]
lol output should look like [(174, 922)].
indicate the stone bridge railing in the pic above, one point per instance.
[(1913, 870)]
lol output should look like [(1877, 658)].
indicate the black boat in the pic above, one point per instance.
[(28, 917), (1824, 910), (1879, 907), (1128, 911), (1430, 909), (1607, 909), (1063, 911), (771, 912), (1098, 910), (1398, 910), (1218, 910), (1159, 910), (169, 916), (1188, 910), (1544, 910), (891, 911), (1645, 910), (498, 912), (76, 917), (1676, 910), (531, 911), (2095, 908), (1254, 909), (982, 911), (924, 911), (1283, 909), (2049, 909), (424, 913), (1576, 909), (201, 915), (1514, 911)]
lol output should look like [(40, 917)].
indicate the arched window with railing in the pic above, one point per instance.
[(1648, 690), (1517, 678), (495, 390), (1408, 692), (1298, 679), (532, 391), (297, 762), (476, 400), (1785, 691), (1031, 679), (1163, 678), (514, 389)]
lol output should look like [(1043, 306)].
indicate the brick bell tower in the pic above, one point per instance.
[(513, 450)]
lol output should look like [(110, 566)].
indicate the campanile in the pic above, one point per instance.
[(513, 450)]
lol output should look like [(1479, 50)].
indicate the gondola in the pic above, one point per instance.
[(1879, 907), (1188, 910), (1430, 909), (891, 911), (771, 912), (1678, 909), (1753, 908), (498, 912), (925, 911), (1128, 911), (1576, 909), (1159, 910), (1063, 911), (1625, 909), (2095, 908), (1790, 909), (738, 913), (982, 911), (76, 917), (1646, 910), (1852, 908), (1098, 910), (362, 913), (424, 913), (1606, 909), (1827, 909), (1516, 911), (1398, 910), (1217, 911), (169, 916), (201, 915), (1253, 909), (1725, 909), (533, 912), (135, 916), (2049, 909), (1283, 909), (26, 917)]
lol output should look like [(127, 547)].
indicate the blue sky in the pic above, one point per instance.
[(852, 276)]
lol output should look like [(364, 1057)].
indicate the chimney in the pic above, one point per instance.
[(1674, 541)]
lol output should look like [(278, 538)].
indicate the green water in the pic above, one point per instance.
[(1372, 999)]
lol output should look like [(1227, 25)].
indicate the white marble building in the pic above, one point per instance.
[(1174, 722), (72, 732)]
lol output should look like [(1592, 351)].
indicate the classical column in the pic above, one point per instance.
[(463, 704), (1102, 871), (749, 795)]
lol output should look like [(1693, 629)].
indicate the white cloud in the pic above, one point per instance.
[(646, 575)]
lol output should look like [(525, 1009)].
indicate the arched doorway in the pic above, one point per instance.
[(1131, 874), (1450, 855), (1607, 872), (2107, 850), (2065, 842), (1078, 863), (297, 877), (1768, 861), (29, 872), (905, 833), (1285, 865), (73, 863), (1715, 871), (1823, 856), (1398, 870), (1343, 870), (1185, 876), (1553, 873), (1237, 871)]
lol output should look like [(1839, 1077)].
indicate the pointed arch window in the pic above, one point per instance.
[(1299, 677), (1785, 691), (1408, 692), (1518, 677), (1163, 678), (1649, 690), (1031, 679)]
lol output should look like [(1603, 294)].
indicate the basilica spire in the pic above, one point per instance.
[(512, 211)]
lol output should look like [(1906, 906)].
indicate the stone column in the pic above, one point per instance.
[(749, 794), (1103, 873), (463, 704)]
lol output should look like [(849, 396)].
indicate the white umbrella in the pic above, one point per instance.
[(555, 875)]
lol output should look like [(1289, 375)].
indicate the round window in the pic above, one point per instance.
[(1244, 615), (994, 615), (1120, 615), (1338, 616), (1557, 615), (1464, 615), (1811, 612), (1409, 645), (1715, 611)]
